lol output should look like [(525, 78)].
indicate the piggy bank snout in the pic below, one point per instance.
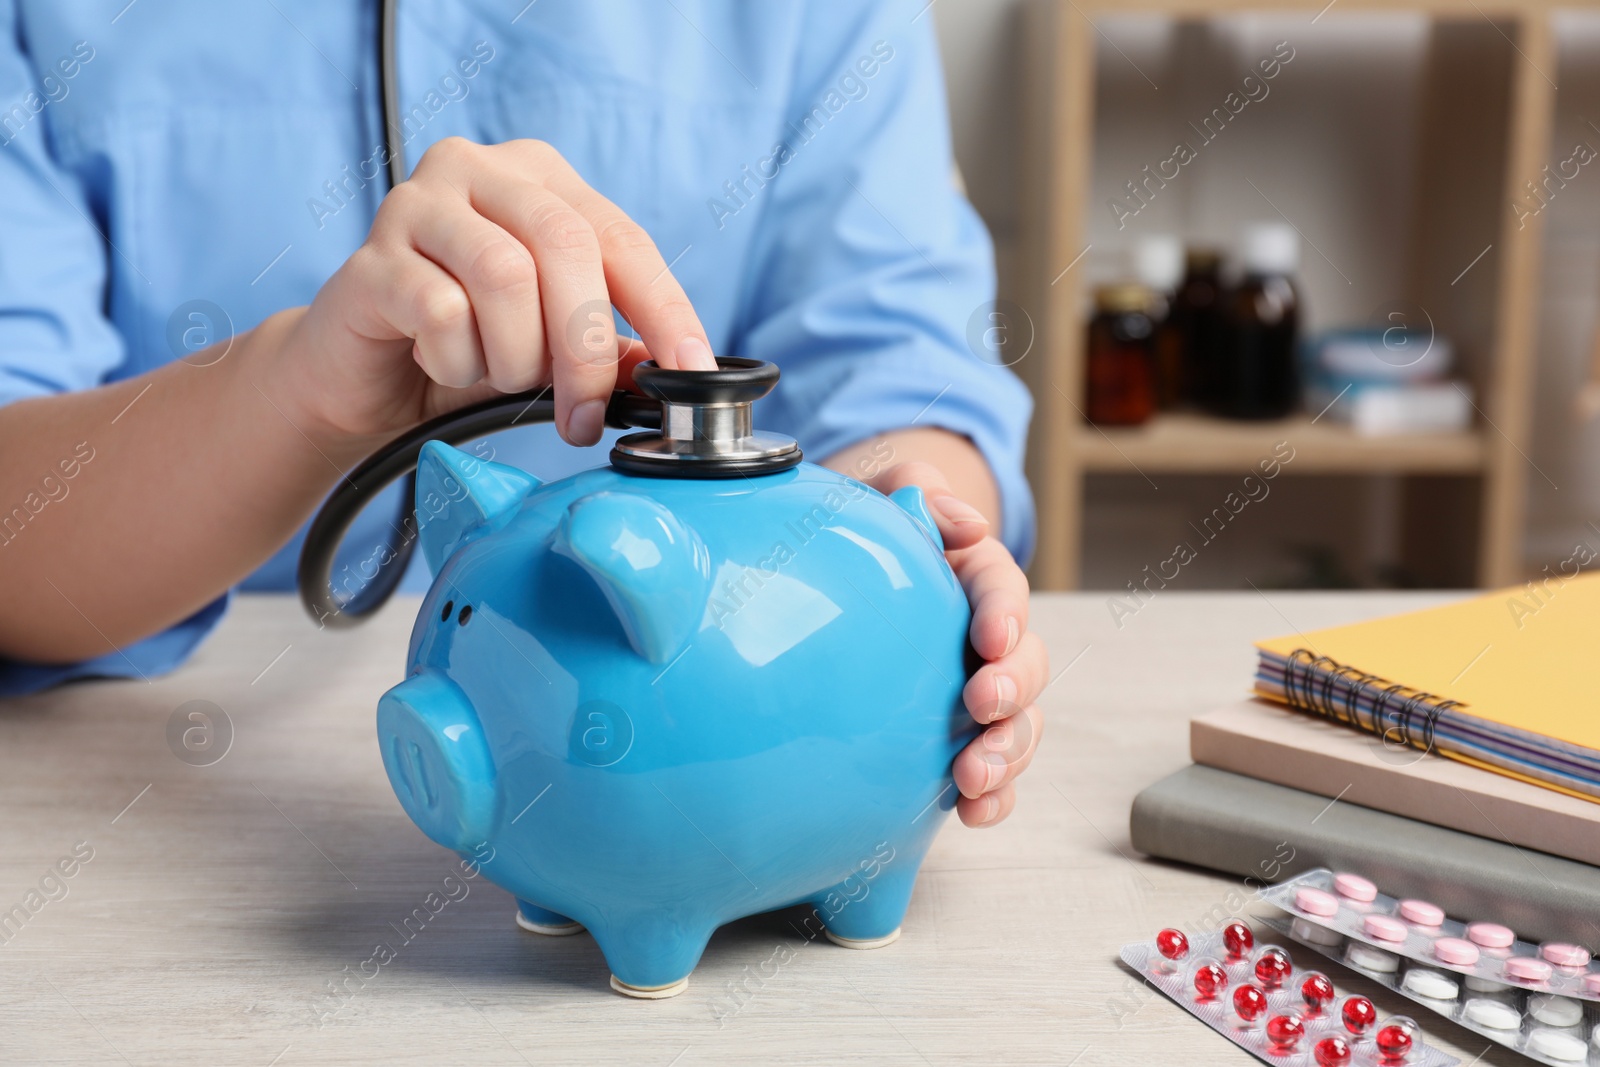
[(438, 760)]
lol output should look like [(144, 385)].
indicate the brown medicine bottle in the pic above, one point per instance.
[(1121, 386), (1159, 264), (1256, 376), (1196, 319)]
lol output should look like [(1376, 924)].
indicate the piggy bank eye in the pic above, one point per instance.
[(449, 606), (466, 613)]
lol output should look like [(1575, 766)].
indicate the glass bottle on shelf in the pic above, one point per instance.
[(1197, 323), (1121, 387), (1256, 368), (1158, 262)]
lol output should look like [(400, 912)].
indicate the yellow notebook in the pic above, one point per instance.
[(1510, 680)]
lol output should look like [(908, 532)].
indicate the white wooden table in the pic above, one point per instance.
[(223, 901)]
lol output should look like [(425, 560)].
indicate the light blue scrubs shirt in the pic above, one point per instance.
[(173, 170)]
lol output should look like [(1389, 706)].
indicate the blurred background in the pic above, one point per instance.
[(1232, 233)]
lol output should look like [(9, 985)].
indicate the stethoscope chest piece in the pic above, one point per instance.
[(706, 427)]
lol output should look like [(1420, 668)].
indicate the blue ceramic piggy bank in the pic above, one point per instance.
[(665, 703)]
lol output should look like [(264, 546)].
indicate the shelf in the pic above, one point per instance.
[(1198, 444), (1483, 126)]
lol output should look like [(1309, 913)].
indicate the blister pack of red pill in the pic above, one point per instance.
[(1537, 999), (1256, 997)]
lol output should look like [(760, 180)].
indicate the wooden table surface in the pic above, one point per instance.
[(222, 902)]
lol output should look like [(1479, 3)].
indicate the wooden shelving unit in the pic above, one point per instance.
[(1485, 79), (1196, 444)]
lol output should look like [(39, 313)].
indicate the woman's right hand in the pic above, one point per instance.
[(491, 269)]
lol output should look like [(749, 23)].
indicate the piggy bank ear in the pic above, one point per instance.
[(460, 497), (654, 571), (913, 503)]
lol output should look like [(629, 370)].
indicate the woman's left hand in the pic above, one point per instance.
[(1001, 693)]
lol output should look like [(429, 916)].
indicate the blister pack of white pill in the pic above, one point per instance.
[(1330, 907), (1547, 1027), (1255, 997)]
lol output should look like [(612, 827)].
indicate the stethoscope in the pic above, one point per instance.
[(684, 413)]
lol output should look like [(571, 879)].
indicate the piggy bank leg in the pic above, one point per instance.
[(651, 955), (537, 920), (861, 913)]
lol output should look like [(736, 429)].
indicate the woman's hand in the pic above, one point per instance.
[(1001, 693), (494, 268)]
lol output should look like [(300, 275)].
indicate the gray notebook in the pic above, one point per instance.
[(1229, 823)]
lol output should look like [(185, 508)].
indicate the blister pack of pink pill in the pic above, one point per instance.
[(1256, 998), (1477, 974), (1349, 906)]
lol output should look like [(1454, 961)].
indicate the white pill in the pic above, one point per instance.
[(1558, 1046), (1371, 959), (1316, 935), (1430, 984), (1483, 985), (1493, 1014), (1554, 1010)]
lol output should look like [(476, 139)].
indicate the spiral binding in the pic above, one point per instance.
[(1334, 690)]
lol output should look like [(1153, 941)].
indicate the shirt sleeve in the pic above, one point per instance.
[(145, 659), (870, 269), (54, 333)]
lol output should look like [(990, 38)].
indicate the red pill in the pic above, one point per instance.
[(1172, 944), (1394, 1043), (1273, 967), (1209, 980), (1249, 1002), (1317, 992), (1332, 1052), (1284, 1032), (1238, 939), (1358, 1015)]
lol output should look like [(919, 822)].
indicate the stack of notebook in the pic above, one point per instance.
[(1387, 732), (1508, 681)]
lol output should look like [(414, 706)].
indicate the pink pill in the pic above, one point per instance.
[(1315, 901), (1454, 950), (1421, 912), (1591, 983), (1490, 935), (1527, 969), (1562, 954), (1354, 887), (1384, 928)]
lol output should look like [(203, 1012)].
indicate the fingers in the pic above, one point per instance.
[(998, 592), (1016, 673), (416, 298), (960, 524), (1001, 693), (631, 352), (999, 754), (640, 279), (645, 291), (541, 257), (1000, 689), (580, 334), (988, 809), (499, 277), (637, 279)]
